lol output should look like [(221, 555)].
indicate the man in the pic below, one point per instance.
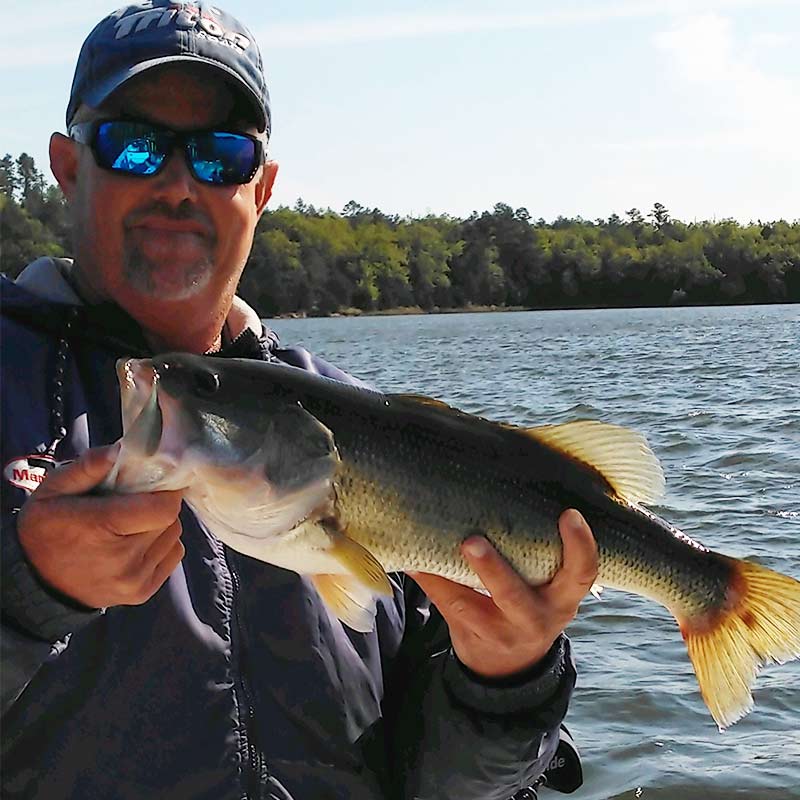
[(141, 657)]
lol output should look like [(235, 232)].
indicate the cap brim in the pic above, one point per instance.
[(103, 92)]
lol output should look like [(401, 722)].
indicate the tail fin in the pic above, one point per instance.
[(761, 625)]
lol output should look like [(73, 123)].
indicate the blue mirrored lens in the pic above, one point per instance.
[(222, 158), (139, 148), (131, 147)]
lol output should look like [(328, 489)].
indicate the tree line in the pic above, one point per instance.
[(307, 260)]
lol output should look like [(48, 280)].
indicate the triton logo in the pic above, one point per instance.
[(28, 472), (185, 17)]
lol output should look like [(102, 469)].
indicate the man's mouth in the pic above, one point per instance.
[(159, 224)]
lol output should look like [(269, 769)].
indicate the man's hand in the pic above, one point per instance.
[(100, 550), (513, 629)]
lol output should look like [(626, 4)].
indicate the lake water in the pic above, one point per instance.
[(717, 392)]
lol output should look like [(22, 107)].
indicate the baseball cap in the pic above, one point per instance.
[(152, 33)]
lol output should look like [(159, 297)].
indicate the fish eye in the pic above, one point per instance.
[(206, 383)]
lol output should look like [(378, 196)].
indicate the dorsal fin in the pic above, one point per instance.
[(424, 400), (621, 455)]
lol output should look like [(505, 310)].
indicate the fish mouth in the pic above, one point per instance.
[(142, 417), (153, 418), (137, 379), (152, 445)]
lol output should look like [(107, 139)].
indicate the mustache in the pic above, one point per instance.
[(186, 210)]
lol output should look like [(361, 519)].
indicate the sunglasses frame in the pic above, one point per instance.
[(86, 133)]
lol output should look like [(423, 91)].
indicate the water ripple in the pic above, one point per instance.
[(716, 392)]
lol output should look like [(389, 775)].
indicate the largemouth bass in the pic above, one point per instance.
[(346, 484)]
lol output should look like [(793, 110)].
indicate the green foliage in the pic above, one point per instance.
[(33, 215), (382, 268), (313, 261), (9, 181), (428, 253)]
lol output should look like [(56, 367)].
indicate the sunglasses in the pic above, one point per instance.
[(220, 158)]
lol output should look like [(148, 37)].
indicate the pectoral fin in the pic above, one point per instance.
[(352, 594), (352, 602), (359, 562)]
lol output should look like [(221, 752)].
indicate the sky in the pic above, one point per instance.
[(574, 108)]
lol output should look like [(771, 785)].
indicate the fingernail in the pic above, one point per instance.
[(576, 519), (112, 450), (476, 546)]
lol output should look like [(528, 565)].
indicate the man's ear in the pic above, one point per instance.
[(64, 163), (264, 185)]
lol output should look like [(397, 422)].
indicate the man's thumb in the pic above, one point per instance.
[(81, 475)]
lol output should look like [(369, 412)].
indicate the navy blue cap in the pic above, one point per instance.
[(153, 33)]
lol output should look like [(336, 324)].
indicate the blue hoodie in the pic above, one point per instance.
[(233, 680)]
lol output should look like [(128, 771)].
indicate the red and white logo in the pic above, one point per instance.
[(28, 472)]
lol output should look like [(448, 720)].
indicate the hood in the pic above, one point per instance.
[(44, 278), (43, 297)]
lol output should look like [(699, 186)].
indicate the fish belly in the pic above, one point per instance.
[(409, 527)]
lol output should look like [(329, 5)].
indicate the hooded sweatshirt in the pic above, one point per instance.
[(233, 680)]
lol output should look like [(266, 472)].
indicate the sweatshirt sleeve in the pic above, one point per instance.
[(34, 618), (455, 735)]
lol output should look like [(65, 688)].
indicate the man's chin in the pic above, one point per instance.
[(168, 283)]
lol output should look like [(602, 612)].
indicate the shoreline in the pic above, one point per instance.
[(407, 311)]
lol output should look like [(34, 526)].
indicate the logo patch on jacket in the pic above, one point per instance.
[(28, 472)]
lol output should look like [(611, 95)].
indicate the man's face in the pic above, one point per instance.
[(166, 248)]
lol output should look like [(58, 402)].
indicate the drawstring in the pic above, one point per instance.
[(57, 428), (246, 345)]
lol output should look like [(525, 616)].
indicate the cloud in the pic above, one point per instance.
[(704, 54), (728, 141), (402, 26), (771, 40), (746, 110), (50, 33), (354, 30), (700, 48), (46, 34)]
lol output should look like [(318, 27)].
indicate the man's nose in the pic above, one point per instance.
[(175, 183)]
